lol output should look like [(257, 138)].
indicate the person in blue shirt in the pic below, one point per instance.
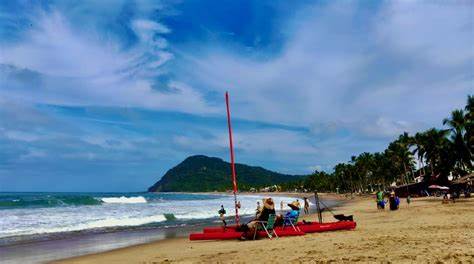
[(394, 201), (293, 214)]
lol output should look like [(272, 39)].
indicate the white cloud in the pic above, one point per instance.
[(439, 32), (333, 68), (260, 144), (315, 168), (54, 48), (387, 128), (21, 136), (83, 68), (149, 27), (355, 82)]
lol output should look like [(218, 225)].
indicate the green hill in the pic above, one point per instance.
[(202, 174)]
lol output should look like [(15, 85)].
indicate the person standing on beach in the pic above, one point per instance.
[(281, 205), (380, 200), (258, 210), (394, 201), (221, 213), (306, 205)]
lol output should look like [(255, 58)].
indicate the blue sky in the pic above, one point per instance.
[(108, 95)]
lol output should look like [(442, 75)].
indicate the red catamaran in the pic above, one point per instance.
[(231, 232)]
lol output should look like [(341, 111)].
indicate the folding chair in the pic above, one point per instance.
[(292, 221), (267, 226)]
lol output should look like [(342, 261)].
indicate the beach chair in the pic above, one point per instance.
[(292, 221), (267, 226)]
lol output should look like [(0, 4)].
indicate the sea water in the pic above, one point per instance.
[(27, 216), (41, 227)]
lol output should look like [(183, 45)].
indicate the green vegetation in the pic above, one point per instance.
[(204, 174), (439, 151)]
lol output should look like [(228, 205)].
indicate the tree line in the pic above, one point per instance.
[(438, 152)]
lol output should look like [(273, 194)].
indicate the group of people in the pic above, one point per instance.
[(392, 200), (262, 214)]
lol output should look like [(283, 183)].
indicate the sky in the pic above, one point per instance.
[(109, 95)]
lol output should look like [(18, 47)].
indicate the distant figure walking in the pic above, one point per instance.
[(394, 201), (222, 213), (281, 205), (306, 205), (258, 210), (380, 200)]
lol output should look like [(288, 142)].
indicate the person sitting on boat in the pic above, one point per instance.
[(291, 216), (267, 210), (222, 213), (297, 203), (294, 212)]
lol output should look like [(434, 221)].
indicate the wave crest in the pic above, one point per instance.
[(124, 200), (102, 223), (48, 201)]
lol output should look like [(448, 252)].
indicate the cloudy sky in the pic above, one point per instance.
[(108, 95)]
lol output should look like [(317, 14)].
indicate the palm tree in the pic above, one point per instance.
[(469, 118), (419, 141), (363, 164), (400, 155), (343, 177), (439, 153), (457, 126), (383, 170)]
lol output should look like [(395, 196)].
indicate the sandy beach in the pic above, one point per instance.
[(426, 231)]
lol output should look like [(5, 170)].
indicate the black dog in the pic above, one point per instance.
[(342, 217)]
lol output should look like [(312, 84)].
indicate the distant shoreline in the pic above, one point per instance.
[(322, 195)]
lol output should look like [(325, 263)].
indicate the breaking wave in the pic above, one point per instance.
[(124, 200), (97, 224), (47, 201)]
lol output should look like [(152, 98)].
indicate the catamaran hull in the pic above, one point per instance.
[(219, 233), (232, 234), (325, 227), (305, 227)]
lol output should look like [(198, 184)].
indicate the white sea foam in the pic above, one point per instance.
[(122, 211), (125, 200), (103, 223)]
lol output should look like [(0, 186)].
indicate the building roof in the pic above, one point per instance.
[(464, 179)]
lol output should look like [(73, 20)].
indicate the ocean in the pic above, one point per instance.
[(39, 220)]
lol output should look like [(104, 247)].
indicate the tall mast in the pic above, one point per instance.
[(232, 163)]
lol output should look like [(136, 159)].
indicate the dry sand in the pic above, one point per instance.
[(426, 232)]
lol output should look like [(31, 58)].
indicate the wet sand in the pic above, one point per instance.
[(426, 231)]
